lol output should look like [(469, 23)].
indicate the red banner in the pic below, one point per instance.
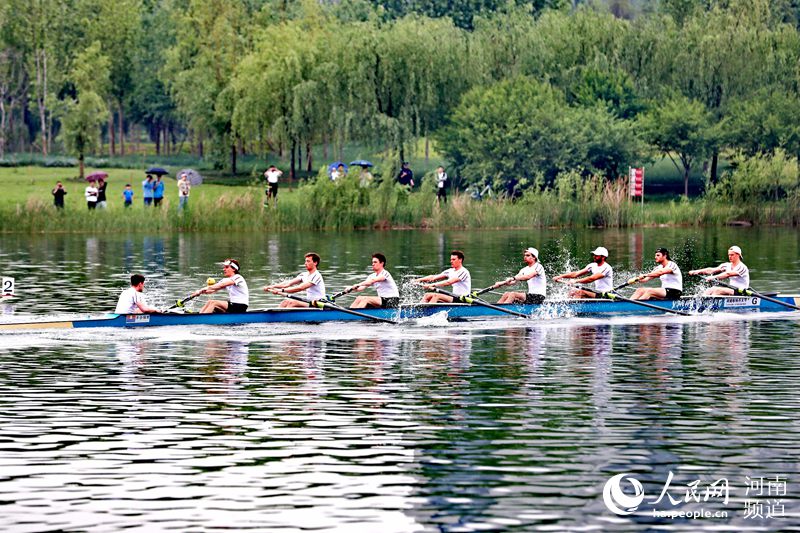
[(636, 180)]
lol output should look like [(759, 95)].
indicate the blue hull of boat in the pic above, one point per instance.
[(547, 310)]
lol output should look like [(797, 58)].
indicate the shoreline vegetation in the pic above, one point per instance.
[(320, 204)]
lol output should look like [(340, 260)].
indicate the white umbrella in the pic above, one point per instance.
[(192, 175)]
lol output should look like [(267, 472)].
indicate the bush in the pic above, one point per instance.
[(764, 177)]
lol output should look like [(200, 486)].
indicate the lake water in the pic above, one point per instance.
[(433, 426)]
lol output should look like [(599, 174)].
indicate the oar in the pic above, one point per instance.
[(181, 303), (751, 292), (348, 290), (490, 288), (611, 295), (477, 301), (629, 282), (323, 304)]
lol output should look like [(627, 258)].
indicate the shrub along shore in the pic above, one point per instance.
[(573, 201)]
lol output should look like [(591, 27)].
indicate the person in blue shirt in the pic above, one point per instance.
[(127, 195), (147, 190), (158, 191)]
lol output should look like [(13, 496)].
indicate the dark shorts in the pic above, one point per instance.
[(157, 201), (148, 201), (236, 308), (390, 303), (441, 193), (128, 204), (534, 298), (673, 294), (272, 189)]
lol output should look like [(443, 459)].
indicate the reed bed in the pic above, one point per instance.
[(345, 205)]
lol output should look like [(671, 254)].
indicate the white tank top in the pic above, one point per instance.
[(742, 278), (238, 293), (463, 286), (673, 280), (386, 288), (317, 289), (538, 283), (606, 283)]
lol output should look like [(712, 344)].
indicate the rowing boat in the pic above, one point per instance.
[(456, 311)]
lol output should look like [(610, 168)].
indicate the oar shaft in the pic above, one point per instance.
[(611, 295), (477, 301), (322, 304), (752, 292)]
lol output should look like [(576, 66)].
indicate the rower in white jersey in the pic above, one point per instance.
[(734, 272), (238, 293), (670, 276), (132, 301), (310, 281), (599, 272), (533, 273), (456, 275), (388, 295)]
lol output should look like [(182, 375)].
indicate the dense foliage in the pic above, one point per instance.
[(514, 92)]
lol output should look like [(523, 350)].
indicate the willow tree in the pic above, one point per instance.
[(83, 115), (211, 37), (117, 24), (280, 91), (420, 69)]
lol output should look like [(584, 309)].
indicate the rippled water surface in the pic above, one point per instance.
[(483, 426)]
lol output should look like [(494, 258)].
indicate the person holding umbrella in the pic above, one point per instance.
[(101, 193), (147, 190), (158, 191)]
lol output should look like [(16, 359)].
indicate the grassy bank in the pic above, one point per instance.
[(26, 206)]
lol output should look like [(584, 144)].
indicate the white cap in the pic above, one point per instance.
[(600, 251), (533, 251), (736, 249)]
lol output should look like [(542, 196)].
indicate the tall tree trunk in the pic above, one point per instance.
[(157, 136), (427, 148), (686, 182), (112, 139), (292, 175), (80, 165), (325, 146), (121, 118), (41, 92), (714, 164), (309, 158), (2, 127), (200, 144), (233, 157)]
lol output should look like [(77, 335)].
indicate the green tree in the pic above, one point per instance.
[(680, 128), (518, 129), (83, 115)]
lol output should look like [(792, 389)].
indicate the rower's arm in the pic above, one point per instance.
[(146, 308), (574, 274), (299, 288), (432, 277), (589, 279), (706, 271)]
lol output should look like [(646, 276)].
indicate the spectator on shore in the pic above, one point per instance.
[(272, 174), (339, 173), (158, 191), (365, 178), (406, 177), (441, 185), (91, 195), (127, 195), (147, 190), (101, 193), (183, 191), (58, 195)]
